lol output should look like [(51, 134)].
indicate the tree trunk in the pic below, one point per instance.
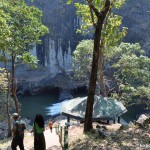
[(8, 97), (101, 79), (13, 84), (92, 84)]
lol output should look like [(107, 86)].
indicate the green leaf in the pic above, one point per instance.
[(69, 2)]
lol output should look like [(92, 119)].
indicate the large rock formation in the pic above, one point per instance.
[(136, 14), (62, 21), (55, 53)]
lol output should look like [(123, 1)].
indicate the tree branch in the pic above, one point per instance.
[(92, 16), (105, 9), (92, 7)]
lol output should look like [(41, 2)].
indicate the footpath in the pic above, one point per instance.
[(52, 141)]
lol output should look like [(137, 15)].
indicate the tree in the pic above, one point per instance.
[(100, 14), (112, 34), (82, 57), (5, 89), (99, 11), (132, 73), (26, 28), (6, 103)]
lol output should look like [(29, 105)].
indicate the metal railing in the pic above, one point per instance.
[(62, 132)]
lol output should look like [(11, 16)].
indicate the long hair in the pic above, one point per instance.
[(39, 120)]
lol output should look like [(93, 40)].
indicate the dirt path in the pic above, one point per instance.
[(52, 141)]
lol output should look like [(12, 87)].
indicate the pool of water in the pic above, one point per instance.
[(37, 104)]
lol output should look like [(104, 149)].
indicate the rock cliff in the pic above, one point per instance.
[(58, 45), (55, 54)]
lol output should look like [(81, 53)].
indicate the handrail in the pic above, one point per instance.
[(62, 131)]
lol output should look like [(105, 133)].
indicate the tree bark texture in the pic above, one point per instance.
[(101, 77), (96, 51), (13, 85), (8, 97)]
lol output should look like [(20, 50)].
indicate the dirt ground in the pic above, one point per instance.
[(131, 138)]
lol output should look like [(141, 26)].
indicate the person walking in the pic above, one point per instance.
[(38, 129), (51, 125), (17, 129)]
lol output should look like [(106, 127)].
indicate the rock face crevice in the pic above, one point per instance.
[(55, 53)]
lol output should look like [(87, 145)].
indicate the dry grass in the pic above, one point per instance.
[(5, 143), (133, 138)]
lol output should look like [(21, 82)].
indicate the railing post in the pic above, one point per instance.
[(60, 134), (66, 137), (118, 119), (56, 129)]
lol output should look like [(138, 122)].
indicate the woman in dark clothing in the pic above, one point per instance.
[(38, 129)]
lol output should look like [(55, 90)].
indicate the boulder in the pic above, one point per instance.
[(64, 95), (111, 127), (141, 119)]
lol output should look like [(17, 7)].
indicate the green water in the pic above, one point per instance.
[(32, 105)]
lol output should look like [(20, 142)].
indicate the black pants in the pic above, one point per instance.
[(17, 141)]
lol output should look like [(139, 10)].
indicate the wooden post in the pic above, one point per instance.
[(114, 121), (66, 137), (68, 119), (60, 134), (118, 119), (56, 128), (107, 121)]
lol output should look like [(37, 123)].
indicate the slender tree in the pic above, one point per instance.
[(26, 28), (96, 51), (97, 24), (99, 13), (4, 44)]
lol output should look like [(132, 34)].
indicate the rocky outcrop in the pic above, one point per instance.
[(64, 95), (55, 53), (34, 82), (136, 17)]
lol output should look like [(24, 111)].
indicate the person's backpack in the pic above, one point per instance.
[(20, 127)]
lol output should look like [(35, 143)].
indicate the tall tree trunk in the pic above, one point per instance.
[(101, 77), (92, 84), (7, 97), (13, 84)]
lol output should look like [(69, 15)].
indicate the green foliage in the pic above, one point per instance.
[(112, 34), (133, 71), (29, 59), (25, 24), (4, 30), (3, 80), (82, 59), (3, 94), (83, 10), (23, 29), (69, 1)]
